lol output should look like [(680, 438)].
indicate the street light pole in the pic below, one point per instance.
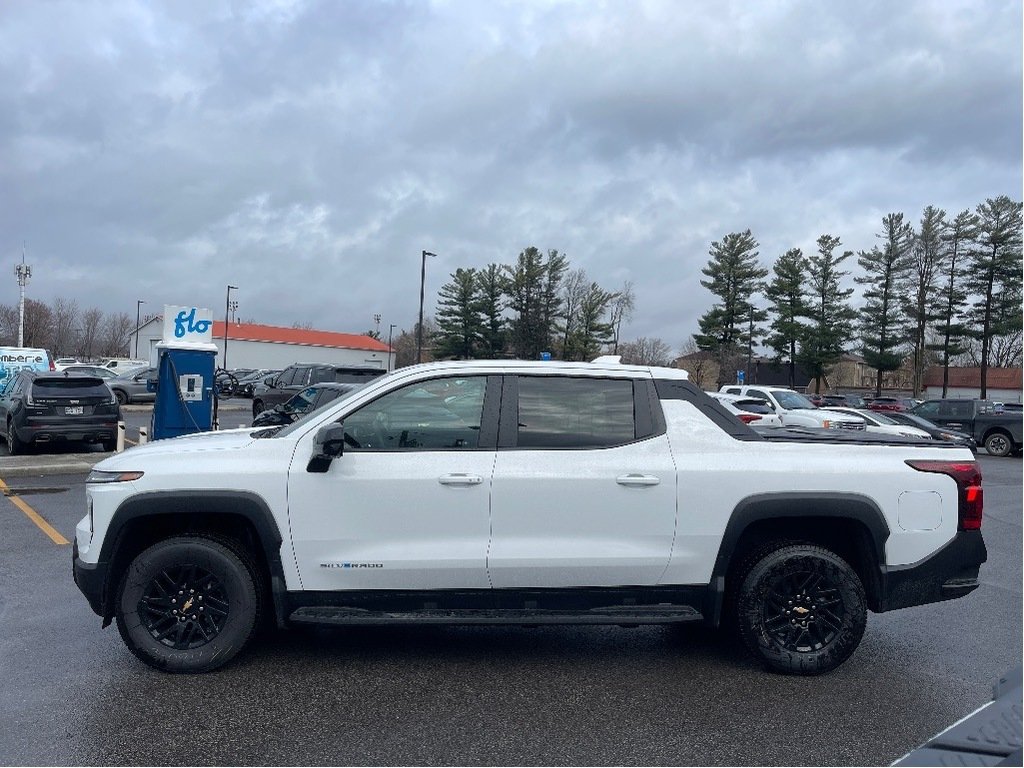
[(419, 326), (391, 352), (227, 308), (138, 318)]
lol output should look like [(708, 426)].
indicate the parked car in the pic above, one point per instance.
[(63, 362), (794, 409), (131, 387), (556, 493), (892, 403), (38, 408), (274, 390), (937, 432), (749, 410), (302, 403), (999, 433), (881, 424), (817, 399), (92, 370), (844, 401), (248, 383)]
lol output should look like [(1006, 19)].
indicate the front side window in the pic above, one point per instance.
[(438, 414), (564, 412)]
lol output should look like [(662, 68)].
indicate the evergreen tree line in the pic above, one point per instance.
[(931, 293), (65, 330), (538, 304)]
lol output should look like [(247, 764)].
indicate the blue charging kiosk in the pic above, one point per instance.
[(185, 374)]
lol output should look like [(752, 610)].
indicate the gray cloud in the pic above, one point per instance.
[(307, 152)]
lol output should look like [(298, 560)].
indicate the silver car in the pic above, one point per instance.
[(130, 387)]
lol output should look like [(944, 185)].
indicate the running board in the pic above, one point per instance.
[(631, 614)]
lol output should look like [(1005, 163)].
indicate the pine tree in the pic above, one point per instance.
[(459, 321), (788, 303), (927, 258), (734, 276), (590, 330), (830, 318), (994, 275), (948, 304), (886, 270), (492, 303), (532, 287)]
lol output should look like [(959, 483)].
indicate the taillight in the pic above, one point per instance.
[(968, 482), (746, 418)]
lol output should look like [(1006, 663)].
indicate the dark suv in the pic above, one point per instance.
[(40, 408), (275, 390)]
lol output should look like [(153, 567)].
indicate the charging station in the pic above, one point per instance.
[(186, 358)]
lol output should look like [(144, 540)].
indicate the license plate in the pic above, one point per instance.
[(74, 410)]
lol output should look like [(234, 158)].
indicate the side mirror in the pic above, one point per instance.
[(328, 444)]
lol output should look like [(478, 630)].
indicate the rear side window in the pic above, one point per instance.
[(343, 376), (564, 412), (321, 374), (72, 387)]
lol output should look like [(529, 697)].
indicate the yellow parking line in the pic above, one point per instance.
[(34, 516)]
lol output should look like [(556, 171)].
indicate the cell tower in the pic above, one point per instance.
[(24, 272)]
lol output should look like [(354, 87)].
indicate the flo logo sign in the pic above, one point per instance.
[(190, 325)]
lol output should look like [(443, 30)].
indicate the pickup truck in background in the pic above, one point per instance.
[(999, 432), (795, 409), (525, 493)]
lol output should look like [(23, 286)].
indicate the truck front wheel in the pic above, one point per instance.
[(188, 604), (800, 608)]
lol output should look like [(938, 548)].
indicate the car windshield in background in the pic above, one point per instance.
[(316, 412), (792, 400)]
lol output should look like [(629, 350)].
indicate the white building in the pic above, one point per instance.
[(269, 346)]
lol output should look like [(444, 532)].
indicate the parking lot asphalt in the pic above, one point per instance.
[(73, 694)]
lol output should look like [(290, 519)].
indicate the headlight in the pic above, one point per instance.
[(101, 476)]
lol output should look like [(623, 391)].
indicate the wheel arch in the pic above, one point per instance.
[(143, 520), (850, 524)]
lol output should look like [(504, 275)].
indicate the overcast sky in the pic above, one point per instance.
[(307, 152)]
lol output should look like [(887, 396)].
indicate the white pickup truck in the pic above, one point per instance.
[(505, 492), (795, 410)]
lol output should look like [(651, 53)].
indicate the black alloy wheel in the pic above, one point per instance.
[(14, 446), (998, 444), (184, 607), (189, 603), (801, 608)]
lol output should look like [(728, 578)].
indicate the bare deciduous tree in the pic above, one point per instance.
[(645, 351)]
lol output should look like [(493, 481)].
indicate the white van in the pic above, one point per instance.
[(14, 359), (122, 364)]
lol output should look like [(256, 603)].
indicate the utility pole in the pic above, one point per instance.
[(24, 272), (376, 321), (138, 319), (391, 352), (227, 308)]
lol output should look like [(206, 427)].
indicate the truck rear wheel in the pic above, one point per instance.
[(800, 608), (188, 604), (998, 444)]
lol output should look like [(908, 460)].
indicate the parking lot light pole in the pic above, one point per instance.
[(391, 352), (227, 308), (419, 326), (138, 318)]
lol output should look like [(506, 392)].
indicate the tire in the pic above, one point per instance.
[(122, 397), (257, 408), (15, 447), (800, 608), (218, 586), (109, 445), (998, 444)]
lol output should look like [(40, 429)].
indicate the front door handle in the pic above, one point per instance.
[(459, 478), (635, 480)]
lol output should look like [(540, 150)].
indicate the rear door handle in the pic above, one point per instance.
[(459, 478), (637, 480)]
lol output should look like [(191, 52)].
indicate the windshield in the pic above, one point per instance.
[(314, 414), (792, 400)]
